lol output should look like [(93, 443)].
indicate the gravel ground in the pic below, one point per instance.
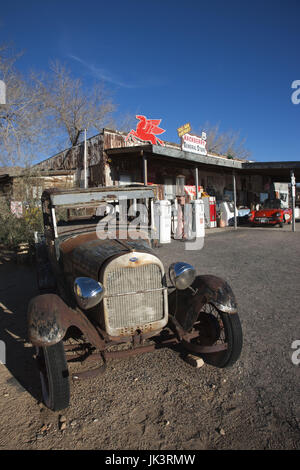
[(157, 401)]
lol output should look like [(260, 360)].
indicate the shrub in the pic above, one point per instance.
[(14, 230)]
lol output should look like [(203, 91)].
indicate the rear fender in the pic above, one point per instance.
[(185, 305), (49, 319)]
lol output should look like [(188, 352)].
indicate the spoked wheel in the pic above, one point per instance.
[(219, 328), (54, 376)]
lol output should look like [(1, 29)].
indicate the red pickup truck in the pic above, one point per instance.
[(272, 213)]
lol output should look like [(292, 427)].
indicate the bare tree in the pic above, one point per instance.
[(48, 111), (70, 107), (125, 123), (21, 117), (227, 143)]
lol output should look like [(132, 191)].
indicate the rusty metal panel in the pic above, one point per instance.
[(90, 255), (49, 319)]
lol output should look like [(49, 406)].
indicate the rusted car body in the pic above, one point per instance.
[(114, 290)]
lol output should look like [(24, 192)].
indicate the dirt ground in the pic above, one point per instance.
[(156, 400)]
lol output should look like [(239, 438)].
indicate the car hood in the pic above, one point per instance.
[(87, 258), (266, 212)]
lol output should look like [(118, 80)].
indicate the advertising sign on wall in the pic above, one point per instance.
[(191, 190), (16, 208), (194, 144)]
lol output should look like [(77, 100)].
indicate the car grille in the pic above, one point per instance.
[(135, 307)]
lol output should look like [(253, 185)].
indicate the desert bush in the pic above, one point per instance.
[(15, 230)]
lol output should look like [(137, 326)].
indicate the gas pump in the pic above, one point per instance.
[(210, 212), (162, 214), (180, 198), (197, 216)]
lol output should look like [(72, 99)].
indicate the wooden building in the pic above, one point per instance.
[(111, 160)]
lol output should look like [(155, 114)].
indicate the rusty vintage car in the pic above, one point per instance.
[(107, 296)]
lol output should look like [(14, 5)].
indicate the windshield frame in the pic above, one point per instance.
[(275, 204)]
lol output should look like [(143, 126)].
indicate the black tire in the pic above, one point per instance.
[(54, 376), (229, 330)]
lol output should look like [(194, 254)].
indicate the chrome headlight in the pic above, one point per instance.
[(182, 275), (88, 292)]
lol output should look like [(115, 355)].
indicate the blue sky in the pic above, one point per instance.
[(230, 62)]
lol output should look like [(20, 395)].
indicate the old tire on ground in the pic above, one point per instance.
[(218, 327), (54, 376)]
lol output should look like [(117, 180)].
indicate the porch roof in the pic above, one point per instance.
[(279, 171)]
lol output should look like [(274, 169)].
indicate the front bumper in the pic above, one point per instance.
[(266, 221)]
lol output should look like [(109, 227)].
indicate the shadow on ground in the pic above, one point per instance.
[(18, 286)]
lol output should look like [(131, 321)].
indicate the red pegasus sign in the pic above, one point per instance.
[(146, 130)]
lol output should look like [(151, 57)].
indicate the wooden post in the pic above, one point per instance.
[(293, 190), (234, 199), (145, 171)]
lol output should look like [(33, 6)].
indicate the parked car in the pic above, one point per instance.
[(101, 292), (243, 215), (272, 213)]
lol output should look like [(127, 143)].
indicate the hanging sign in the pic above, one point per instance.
[(184, 129)]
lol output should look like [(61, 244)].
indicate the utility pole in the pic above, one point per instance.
[(85, 162), (234, 200), (197, 182), (293, 188)]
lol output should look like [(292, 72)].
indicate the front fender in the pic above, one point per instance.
[(185, 305), (49, 319)]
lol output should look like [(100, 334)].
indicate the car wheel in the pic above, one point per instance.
[(216, 327), (54, 376)]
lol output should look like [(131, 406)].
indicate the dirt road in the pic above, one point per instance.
[(157, 401)]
